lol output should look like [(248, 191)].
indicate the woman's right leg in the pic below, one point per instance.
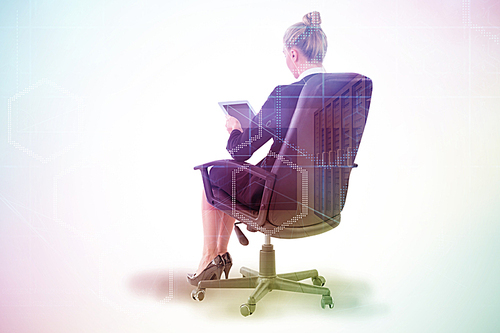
[(217, 228)]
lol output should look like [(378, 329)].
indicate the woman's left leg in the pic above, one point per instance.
[(226, 228)]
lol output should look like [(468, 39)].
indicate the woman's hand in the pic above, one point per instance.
[(232, 124)]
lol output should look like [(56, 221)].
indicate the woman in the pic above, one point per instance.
[(304, 46)]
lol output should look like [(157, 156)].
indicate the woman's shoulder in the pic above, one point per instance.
[(288, 89)]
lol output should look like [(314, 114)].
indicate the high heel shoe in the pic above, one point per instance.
[(213, 271), (228, 263)]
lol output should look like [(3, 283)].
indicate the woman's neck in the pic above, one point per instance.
[(301, 68)]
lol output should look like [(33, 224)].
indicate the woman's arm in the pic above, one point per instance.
[(272, 121), (243, 143)]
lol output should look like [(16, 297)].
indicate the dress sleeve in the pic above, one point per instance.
[(241, 145)]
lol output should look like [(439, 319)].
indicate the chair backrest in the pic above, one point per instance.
[(314, 164)]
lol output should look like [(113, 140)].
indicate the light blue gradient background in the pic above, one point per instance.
[(112, 104)]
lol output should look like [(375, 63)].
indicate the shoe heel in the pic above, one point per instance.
[(228, 263), (227, 268)]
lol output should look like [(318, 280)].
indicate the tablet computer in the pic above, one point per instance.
[(241, 110)]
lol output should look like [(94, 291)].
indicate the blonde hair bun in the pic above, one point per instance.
[(312, 19), (308, 37)]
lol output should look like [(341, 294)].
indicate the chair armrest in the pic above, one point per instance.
[(253, 169), (249, 168), (341, 166)]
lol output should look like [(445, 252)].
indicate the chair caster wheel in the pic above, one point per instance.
[(327, 301), (247, 309), (318, 281), (198, 294)]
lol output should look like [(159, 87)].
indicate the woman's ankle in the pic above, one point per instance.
[(206, 259)]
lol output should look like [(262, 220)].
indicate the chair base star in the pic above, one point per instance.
[(266, 280)]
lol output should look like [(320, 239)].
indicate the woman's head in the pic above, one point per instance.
[(308, 38)]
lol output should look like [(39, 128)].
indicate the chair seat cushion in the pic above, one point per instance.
[(248, 188), (225, 203)]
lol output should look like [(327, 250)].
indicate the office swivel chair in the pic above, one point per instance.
[(306, 189)]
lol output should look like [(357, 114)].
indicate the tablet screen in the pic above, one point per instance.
[(241, 110)]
